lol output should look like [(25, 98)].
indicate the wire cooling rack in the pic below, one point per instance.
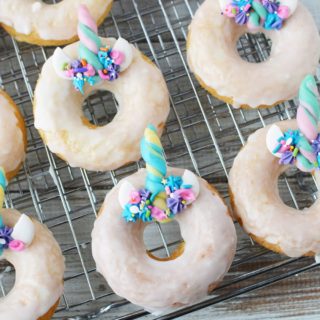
[(202, 134)]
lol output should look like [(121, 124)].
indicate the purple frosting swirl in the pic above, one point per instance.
[(175, 204), (242, 18), (271, 6), (5, 234), (287, 158)]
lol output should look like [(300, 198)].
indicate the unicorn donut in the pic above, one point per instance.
[(213, 58), (39, 265), (92, 64), (254, 192), (13, 138), (161, 194), (36, 22)]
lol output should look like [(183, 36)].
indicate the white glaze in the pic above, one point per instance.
[(39, 274), (254, 184), (143, 99), (51, 22), (213, 57), (120, 253), (12, 151), (291, 4)]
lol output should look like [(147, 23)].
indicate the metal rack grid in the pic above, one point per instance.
[(202, 134)]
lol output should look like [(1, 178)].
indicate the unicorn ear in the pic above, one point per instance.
[(24, 230), (125, 191), (223, 4), (191, 179), (291, 4), (125, 47), (59, 59), (272, 139)]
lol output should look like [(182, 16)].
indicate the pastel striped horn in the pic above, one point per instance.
[(258, 16), (153, 154), (3, 185), (90, 43), (308, 116)]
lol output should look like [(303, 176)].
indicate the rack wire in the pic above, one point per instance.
[(202, 134)]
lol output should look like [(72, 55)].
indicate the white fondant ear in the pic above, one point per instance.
[(125, 191), (59, 58), (292, 4), (125, 47), (190, 178), (272, 139), (223, 4), (24, 230)]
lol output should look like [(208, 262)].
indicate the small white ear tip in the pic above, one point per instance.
[(125, 191), (191, 179), (125, 47), (272, 139), (24, 230)]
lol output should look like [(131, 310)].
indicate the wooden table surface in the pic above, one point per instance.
[(202, 134)]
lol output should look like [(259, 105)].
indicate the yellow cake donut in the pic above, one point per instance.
[(36, 22), (214, 60), (92, 64), (12, 154)]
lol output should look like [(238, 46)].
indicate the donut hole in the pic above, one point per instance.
[(254, 48), (154, 236), (302, 192), (7, 277), (99, 108)]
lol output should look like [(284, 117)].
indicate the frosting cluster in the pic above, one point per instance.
[(269, 14), (7, 241), (141, 204), (81, 72)]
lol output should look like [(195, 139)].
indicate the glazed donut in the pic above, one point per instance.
[(161, 285), (13, 138), (30, 247), (253, 180), (139, 88), (214, 60), (36, 22)]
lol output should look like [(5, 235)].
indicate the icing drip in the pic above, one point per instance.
[(162, 197), (300, 147), (269, 14)]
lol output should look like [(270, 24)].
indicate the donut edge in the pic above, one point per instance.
[(21, 125), (214, 93), (259, 240), (34, 38), (48, 315)]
